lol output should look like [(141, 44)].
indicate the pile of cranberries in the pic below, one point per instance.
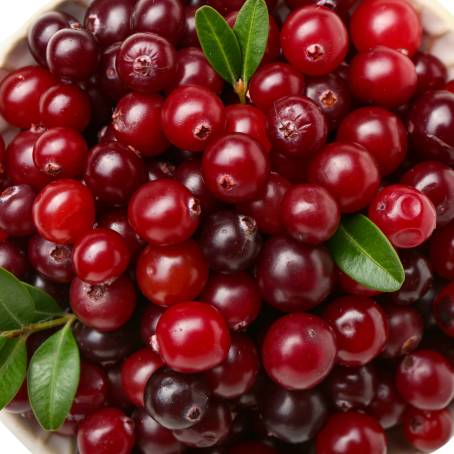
[(186, 231)]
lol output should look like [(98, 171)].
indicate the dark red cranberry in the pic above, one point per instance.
[(189, 36), (106, 431), (442, 251), (146, 62), (182, 273), (158, 169), (107, 75), (20, 92), (149, 321), (13, 259), (114, 173), (117, 396), (431, 71), (58, 291), (352, 287), (292, 169), (406, 216), (16, 204), (101, 105), (443, 310)]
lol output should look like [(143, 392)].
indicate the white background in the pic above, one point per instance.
[(13, 14)]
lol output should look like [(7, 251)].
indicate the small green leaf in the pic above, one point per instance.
[(219, 43), (46, 308), (363, 252), (53, 377), (13, 366), (252, 29), (16, 305)]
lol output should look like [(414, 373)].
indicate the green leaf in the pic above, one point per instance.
[(219, 43), (53, 377), (13, 366), (252, 29), (46, 308), (16, 305), (363, 252)]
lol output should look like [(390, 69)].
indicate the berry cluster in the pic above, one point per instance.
[(187, 231)]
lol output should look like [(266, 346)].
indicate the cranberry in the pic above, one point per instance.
[(443, 310), (340, 6), (314, 40), (383, 76), (442, 251), (16, 204), (64, 211), (58, 291), (137, 123), (296, 126), (361, 329), (20, 92), (350, 286), (352, 433), (348, 172), (149, 321), (117, 396), (146, 62), (380, 132), (431, 71), (189, 36), (160, 169), (425, 380), (292, 169), (13, 259), (107, 75), (105, 431), (65, 105), (406, 216), (168, 275)]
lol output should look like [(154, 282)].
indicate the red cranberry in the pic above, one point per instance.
[(16, 204), (350, 286), (189, 36), (297, 336), (107, 75), (149, 321), (442, 251), (431, 71), (406, 216), (13, 259), (340, 6), (443, 310), (292, 169)]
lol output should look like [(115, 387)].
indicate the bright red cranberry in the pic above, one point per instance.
[(16, 204), (149, 321), (65, 105), (361, 329), (137, 123), (406, 216), (20, 92), (274, 81), (380, 132), (146, 62), (192, 116), (189, 36), (13, 259), (314, 40), (442, 251), (351, 433), (135, 373), (425, 379), (383, 76), (107, 75), (348, 172), (192, 337), (168, 275), (310, 214), (105, 307), (106, 431), (108, 20), (443, 310), (54, 261), (389, 23), (72, 54), (350, 286), (296, 126), (431, 71), (297, 336), (427, 431)]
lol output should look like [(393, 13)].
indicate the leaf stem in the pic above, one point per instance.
[(41, 326), (241, 89)]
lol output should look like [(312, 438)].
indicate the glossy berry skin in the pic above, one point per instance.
[(105, 307), (310, 214), (192, 117), (380, 132), (273, 81), (296, 126), (189, 36), (20, 92), (443, 310), (361, 329), (64, 211), (72, 54), (100, 256), (442, 251), (16, 204), (149, 321), (182, 274), (164, 212), (406, 216), (349, 174), (352, 433), (390, 23), (146, 62), (230, 241), (107, 165), (106, 431), (314, 40), (13, 259), (427, 431), (383, 76), (137, 123), (65, 105), (431, 71), (425, 379), (297, 336), (135, 373), (192, 337)]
